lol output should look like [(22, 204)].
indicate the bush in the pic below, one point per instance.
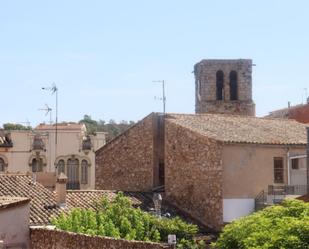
[(118, 219), (283, 226)]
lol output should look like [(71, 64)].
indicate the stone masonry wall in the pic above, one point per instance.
[(205, 78), (42, 238), (126, 163), (193, 174)]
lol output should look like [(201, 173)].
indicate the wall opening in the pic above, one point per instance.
[(219, 85), (233, 86)]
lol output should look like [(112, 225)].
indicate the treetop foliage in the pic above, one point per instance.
[(111, 127), (119, 219), (11, 127), (284, 226)]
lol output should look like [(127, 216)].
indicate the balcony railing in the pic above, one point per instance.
[(287, 189), (276, 194)]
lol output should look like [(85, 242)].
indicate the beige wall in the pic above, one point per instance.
[(14, 225), (69, 143), (249, 169)]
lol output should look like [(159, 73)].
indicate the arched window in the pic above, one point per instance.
[(37, 165), (219, 84), (199, 89), (233, 86), (60, 167), (2, 165), (73, 173), (84, 166)]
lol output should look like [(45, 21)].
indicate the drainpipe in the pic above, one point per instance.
[(307, 160)]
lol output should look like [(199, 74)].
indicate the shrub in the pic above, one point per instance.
[(283, 226), (118, 219)]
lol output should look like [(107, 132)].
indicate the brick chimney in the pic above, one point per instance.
[(61, 189)]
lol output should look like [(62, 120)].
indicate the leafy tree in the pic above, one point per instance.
[(112, 128), (119, 219), (11, 126), (283, 226)]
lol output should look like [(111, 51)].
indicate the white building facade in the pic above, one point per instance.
[(68, 149)]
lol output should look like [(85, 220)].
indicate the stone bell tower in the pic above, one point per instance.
[(224, 86)]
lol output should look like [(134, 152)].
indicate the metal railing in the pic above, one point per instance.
[(276, 194), (287, 190), (260, 201)]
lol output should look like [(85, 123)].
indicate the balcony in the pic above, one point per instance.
[(277, 193)]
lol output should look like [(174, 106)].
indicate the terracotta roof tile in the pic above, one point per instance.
[(18, 185), (43, 203), (60, 126), (9, 201), (243, 129)]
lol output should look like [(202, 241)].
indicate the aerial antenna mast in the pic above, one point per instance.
[(163, 94), (54, 90), (48, 110)]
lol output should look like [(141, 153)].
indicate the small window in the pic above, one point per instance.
[(37, 165), (295, 163), (278, 170), (198, 89), (233, 86), (2, 165), (60, 167), (219, 84), (84, 166)]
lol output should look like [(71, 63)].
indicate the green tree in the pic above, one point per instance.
[(11, 126), (91, 125), (119, 219), (283, 226), (112, 128)]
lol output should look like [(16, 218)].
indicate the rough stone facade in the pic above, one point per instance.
[(42, 238), (206, 100), (127, 162), (193, 174)]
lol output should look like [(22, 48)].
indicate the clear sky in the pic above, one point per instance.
[(104, 55)]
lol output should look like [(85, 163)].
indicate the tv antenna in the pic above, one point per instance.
[(54, 90), (47, 109), (163, 98)]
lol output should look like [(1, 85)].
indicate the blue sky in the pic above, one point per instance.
[(104, 55)]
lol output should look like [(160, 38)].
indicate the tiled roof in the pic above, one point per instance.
[(43, 204), (8, 201), (283, 113), (243, 129), (42, 200), (60, 126)]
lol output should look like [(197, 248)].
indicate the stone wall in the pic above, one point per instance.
[(126, 163), (42, 238), (205, 78), (193, 174)]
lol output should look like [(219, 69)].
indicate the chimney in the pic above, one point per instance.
[(61, 189), (308, 161)]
